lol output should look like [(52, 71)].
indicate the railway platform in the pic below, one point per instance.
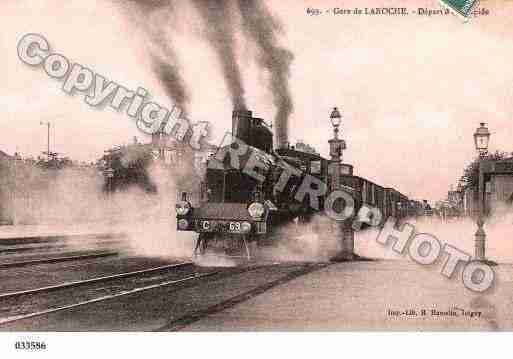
[(376, 295)]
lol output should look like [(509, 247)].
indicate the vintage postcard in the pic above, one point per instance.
[(255, 166)]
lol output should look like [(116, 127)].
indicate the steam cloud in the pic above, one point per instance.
[(457, 232), (220, 33), (72, 198), (262, 27), (165, 62)]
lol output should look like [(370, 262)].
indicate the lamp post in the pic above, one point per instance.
[(481, 141), (341, 229), (336, 145)]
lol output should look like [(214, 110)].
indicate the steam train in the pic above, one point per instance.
[(244, 202)]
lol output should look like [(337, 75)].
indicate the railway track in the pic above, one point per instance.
[(186, 279), (11, 247), (29, 248), (65, 258), (11, 241), (17, 298), (20, 252), (92, 280), (187, 319), (41, 247)]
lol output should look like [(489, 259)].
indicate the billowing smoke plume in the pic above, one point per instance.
[(171, 80), (262, 27), (155, 16), (220, 32)]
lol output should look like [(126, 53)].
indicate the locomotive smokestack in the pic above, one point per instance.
[(261, 27), (241, 124)]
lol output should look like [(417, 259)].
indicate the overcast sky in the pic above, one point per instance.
[(412, 89)]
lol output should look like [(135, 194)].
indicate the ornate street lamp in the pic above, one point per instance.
[(481, 140), (335, 118), (341, 229), (336, 144)]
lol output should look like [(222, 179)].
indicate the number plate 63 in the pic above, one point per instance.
[(234, 227)]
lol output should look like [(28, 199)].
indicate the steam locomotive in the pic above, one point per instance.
[(241, 206)]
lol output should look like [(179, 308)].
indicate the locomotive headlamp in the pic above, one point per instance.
[(182, 208), (245, 227), (256, 210), (183, 224)]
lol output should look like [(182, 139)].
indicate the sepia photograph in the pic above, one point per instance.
[(327, 171)]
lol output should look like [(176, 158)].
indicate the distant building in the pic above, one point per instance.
[(498, 187), (454, 197), (499, 184), (455, 201)]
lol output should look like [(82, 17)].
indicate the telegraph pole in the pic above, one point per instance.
[(47, 138)]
